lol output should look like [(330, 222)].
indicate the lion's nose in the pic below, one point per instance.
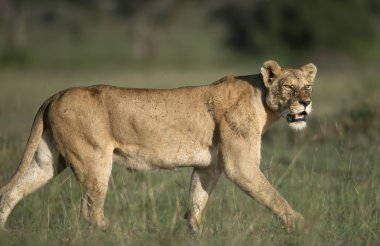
[(305, 102)]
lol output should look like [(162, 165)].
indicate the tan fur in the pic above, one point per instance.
[(215, 128)]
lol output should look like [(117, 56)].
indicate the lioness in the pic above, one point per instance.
[(214, 128)]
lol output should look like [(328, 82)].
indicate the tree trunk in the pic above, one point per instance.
[(14, 16)]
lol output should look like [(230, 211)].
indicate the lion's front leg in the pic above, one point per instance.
[(203, 181), (241, 165), (255, 184)]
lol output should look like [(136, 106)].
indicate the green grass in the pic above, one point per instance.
[(330, 172)]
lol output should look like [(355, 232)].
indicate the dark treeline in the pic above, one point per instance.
[(253, 27)]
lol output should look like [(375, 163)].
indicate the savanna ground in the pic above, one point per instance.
[(329, 172)]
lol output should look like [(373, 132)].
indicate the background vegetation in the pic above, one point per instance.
[(330, 172)]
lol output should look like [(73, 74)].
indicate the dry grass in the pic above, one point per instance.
[(329, 172)]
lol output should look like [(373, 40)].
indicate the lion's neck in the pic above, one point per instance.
[(256, 80)]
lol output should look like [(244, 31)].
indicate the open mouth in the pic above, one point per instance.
[(296, 117)]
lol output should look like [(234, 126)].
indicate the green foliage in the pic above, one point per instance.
[(137, 30), (299, 26)]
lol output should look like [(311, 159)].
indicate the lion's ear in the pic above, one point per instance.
[(309, 71), (269, 71)]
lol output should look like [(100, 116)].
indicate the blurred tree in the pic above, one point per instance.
[(297, 25), (13, 13), (16, 14), (375, 6), (259, 26), (145, 18)]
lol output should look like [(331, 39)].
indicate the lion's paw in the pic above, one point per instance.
[(295, 222)]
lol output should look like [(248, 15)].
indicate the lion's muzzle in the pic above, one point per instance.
[(296, 117)]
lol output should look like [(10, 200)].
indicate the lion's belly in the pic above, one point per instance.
[(135, 157)]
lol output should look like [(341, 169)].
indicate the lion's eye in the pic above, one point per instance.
[(307, 87)]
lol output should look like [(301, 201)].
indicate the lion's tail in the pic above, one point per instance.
[(31, 146)]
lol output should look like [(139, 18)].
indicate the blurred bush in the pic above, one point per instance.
[(259, 27), (298, 26), (363, 119)]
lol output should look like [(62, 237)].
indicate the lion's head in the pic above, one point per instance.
[(289, 91)]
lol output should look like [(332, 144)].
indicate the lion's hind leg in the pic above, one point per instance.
[(94, 191), (203, 181), (93, 173), (44, 167)]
